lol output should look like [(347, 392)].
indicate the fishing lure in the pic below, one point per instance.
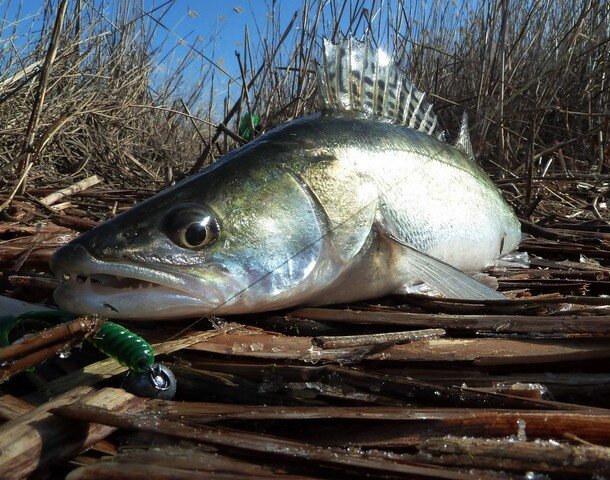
[(146, 378), (127, 348)]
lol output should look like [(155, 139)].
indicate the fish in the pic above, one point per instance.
[(363, 199)]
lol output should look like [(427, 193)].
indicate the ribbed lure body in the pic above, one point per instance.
[(127, 348)]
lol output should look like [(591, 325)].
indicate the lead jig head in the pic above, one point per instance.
[(157, 381)]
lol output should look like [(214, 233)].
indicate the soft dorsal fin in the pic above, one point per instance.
[(463, 141), (354, 76)]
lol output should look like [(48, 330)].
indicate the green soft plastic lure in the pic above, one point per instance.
[(118, 342), (127, 348), (145, 377)]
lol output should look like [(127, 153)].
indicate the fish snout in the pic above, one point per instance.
[(68, 258)]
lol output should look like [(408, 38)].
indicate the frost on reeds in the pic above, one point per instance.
[(109, 88)]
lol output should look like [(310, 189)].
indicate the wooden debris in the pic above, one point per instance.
[(482, 351), (139, 471), (397, 426), (29, 281), (37, 348), (208, 412), (12, 407), (39, 437), (517, 454), (243, 442), (79, 224), (379, 340), (404, 387), (581, 325), (184, 462), (71, 190)]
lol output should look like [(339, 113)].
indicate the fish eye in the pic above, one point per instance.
[(191, 228)]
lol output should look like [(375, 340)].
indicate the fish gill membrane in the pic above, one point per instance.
[(359, 201)]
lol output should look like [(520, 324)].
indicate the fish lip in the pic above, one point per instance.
[(75, 260)]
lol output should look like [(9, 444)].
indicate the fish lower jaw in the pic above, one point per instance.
[(120, 297)]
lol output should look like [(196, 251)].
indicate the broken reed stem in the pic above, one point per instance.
[(189, 115), (377, 339), (81, 327), (250, 443), (242, 72), (502, 323), (35, 358), (38, 438), (71, 190), (543, 456), (36, 349), (40, 94)]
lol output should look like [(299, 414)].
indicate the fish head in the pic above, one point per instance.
[(242, 236)]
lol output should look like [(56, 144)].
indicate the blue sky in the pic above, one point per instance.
[(219, 25), (205, 20), (215, 27), (224, 21)]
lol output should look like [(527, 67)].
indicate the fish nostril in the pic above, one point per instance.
[(130, 234)]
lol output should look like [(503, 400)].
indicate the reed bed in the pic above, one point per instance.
[(82, 93)]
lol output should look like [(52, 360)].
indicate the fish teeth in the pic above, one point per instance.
[(114, 281)]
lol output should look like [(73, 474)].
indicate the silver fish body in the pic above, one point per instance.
[(328, 208)]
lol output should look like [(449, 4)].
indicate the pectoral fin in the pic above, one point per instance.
[(447, 280), (441, 277)]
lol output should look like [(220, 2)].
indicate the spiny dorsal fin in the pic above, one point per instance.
[(463, 141), (354, 76)]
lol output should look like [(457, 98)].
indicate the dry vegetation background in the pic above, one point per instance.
[(80, 93)]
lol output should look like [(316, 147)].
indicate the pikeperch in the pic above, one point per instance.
[(361, 200)]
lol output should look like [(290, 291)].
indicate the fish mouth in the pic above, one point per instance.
[(109, 282), (126, 290)]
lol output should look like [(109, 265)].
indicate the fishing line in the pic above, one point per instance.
[(430, 153), (307, 247)]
